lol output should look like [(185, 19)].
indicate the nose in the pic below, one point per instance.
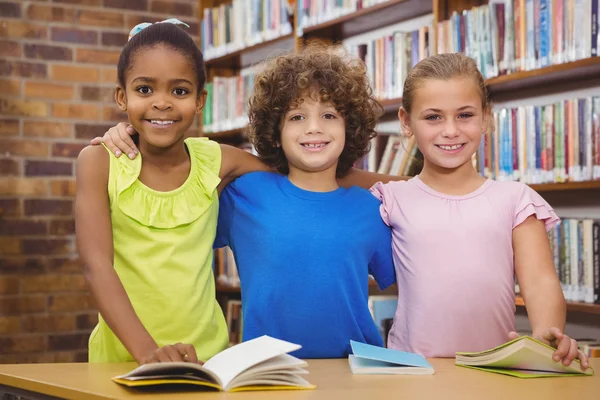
[(313, 126), (161, 103), (450, 130)]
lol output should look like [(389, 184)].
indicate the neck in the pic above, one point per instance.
[(456, 181), (321, 181), (164, 156)]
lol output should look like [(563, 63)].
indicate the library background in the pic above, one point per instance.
[(57, 75)]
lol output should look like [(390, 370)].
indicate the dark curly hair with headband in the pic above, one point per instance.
[(318, 71)]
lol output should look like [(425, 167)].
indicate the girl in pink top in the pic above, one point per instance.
[(458, 238)]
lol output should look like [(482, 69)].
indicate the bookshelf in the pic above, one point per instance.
[(556, 78)]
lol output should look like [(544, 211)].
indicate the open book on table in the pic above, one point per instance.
[(258, 364), (369, 359), (524, 357)]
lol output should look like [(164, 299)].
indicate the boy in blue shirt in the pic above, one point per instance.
[(303, 245)]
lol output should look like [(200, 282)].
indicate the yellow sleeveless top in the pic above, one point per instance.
[(163, 255)]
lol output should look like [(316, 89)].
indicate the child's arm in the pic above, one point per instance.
[(237, 162), (365, 179), (541, 289), (95, 244)]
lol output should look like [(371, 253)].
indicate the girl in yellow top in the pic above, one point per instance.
[(145, 227)]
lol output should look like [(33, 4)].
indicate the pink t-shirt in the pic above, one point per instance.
[(454, 263)]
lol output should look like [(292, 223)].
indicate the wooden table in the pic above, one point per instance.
[(332, 377)]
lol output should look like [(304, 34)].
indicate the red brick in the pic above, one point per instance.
[(113, 113), (46, 246), (109, 75), (10, 246), (48, 207), (70, 302), (63, 188), (22, 305), (9, 127), (70, 150), (46, 90), (10, 49), (10, 10), (94, 93), (136, 18), (65, 265), (22, 265), (22, 344), (86, 321), (140, 5), (71, 73), (104, 19), (81, 357), (48, 168), (10, 186), (10, 87), (86, 131), (74, 341), (53, 284), (75, 111), (81, 2), (48, 323), (23, 108), (51, 14), (71, 35), (13, 325), (172, 8), (27, 148), (21, 29), (45, 129), (62, 227), (9, 285), (115, 39), (24, 69), (10, 207), (28, 358), (21, 227), (10, 166), (45, 52), (109, 57)]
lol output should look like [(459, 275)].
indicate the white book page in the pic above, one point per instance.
[(233, 361)]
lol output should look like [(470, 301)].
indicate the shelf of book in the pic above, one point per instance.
[(571, 306), (233, 135), (575, 71), (222, 288), (391, 106), (251, 55), (555, 187), (368, 19)]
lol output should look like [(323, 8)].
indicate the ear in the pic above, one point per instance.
[(404, 121), (120, 98), (200, 101)]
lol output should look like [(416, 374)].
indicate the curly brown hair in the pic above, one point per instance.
[(327, 72)]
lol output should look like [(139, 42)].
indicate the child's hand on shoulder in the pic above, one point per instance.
[(566, 348), (118, 140), (171, 353)]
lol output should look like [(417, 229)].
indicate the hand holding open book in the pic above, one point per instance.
[(258, 364)]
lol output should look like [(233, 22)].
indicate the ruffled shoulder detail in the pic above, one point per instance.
[(529, 202), (383, 193), (182, 206)]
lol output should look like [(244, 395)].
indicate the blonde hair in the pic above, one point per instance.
[(444, 67)]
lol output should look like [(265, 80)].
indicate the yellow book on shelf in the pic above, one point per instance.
[(258, 364), (524, 357)]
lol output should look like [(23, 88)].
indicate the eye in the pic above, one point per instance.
[(297, 118), (465, 115), (432, 117), (329, 116), (144, 89), (181, 91)]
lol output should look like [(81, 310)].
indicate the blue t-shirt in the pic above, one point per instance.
[(303, 260)]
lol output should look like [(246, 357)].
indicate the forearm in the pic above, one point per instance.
[(365, 179), (116, 309), (546, 305)]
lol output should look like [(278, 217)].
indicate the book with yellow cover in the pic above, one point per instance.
[(524, 357), (258, 364)]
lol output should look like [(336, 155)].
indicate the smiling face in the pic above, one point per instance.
[(313, 136), (161, 95), (447, 120)]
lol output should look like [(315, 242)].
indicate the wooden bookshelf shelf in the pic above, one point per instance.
[(227, 289), (233, 135), (368, 19), (252, 55), (391, 106), (555, 187), (571, 306), (580, 71)]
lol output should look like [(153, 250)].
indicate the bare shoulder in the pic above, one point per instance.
[(93, 163)]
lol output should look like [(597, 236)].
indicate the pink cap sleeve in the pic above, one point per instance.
[(531, 203), (383, 193)]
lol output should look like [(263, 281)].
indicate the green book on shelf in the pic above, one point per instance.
[(524, 357)]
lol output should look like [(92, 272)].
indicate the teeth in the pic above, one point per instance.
[(314, 145), (157, 122), (456, 146)]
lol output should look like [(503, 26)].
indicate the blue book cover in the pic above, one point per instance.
[(369, 359)]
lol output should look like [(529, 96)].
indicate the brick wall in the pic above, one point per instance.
[(57, 75)]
